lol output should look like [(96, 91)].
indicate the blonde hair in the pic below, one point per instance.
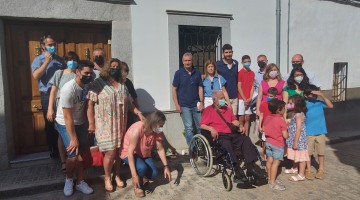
[(153, 119), (268, 70)]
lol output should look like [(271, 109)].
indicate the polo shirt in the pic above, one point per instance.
[(187, 87), (211, 118), (230, 76), (247, 80), (274, 124), (315, 118), (55, 64), (217, 83)]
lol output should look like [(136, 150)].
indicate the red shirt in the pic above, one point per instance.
[(274, 124), (265, 110), (211, 118), (247, 81)]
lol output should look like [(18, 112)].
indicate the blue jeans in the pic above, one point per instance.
[(145, 167), (188, 115), (81, 133), (273, 151)]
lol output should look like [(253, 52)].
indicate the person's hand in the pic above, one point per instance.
[(201, 106), (261, 129), (295, 145), (178, 108), (73, 146), (135, 181), (48, 57), (91, 128), (214, 133), (319, 93), (242, 129), (167, 173), (50, 116)]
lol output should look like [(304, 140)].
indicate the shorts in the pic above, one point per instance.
[(242, 110), (316, 143), (208, 101), (234, 105), (273, 151), (81, 133)]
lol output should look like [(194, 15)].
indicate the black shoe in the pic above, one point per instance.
[(256, 171), (240, 177)]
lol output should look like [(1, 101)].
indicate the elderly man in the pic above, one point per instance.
[(259, 75), (236, 144)]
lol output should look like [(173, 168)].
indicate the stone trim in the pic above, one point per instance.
[(199, 14)]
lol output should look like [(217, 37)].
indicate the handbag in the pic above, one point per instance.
[(233, 128)]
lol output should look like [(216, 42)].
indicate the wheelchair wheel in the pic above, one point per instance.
[(201, 157), (226, 181)]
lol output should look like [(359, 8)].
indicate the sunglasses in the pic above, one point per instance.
[(212, 85)]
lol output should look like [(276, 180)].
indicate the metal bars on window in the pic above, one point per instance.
[(204, 42), (340, 81)]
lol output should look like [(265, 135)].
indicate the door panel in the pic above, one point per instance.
[(22, 46)]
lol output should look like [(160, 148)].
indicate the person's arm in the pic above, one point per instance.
[(261, 118), (240, 91), (70, 128), (285, 134), (214, 133), (39, 72), (226, 95), (161, 153), (259, 100), (175, 99), (299, 121), (326, 100), (135, 110), (237, 123), (201, 97), (248, 101), (91, 116), (51, 113), (134, 140)]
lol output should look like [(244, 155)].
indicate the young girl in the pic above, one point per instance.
[(296, 143)]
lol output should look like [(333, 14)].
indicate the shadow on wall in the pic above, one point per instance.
[(146, 101)]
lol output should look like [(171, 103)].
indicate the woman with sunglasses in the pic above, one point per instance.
[(213, 82)]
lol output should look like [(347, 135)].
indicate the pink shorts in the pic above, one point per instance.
[(297, 156)]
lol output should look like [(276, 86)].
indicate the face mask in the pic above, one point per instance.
[(247, 64), (221, 102), (99, 60), (51, 49), (297, 65), (261, 64), (290, 106), (273, 74), (71, 65), (269, 99), (298, 79), (115, 73), (158, 130), (86, 79)]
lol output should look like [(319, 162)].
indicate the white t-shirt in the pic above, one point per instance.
[(72, 96)]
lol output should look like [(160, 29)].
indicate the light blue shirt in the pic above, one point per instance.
[(259, 76), (55, 64), (315, 118), (217, 80)]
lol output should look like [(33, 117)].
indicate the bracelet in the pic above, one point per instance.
[(166, 166)]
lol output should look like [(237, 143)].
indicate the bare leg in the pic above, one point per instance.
[(242, 119), (247, 124), (62, 151), (70, 166), (79, 169), (269, 163), (321, 162), (302, 166), (274, 170)]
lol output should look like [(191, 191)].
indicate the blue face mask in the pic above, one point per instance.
[(71, 65), (51, 49), (247, 64), (221, 102), (269, 99)]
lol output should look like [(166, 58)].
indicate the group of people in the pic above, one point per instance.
[(290, 116), (81, 98)]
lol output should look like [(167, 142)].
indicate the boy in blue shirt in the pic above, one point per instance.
[(316, 128)]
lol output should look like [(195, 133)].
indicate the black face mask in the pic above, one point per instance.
[(86, 79), (297, 65), (115, 73), (99, 60), (261, 64)]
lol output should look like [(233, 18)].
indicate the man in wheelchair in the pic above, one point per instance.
[(218, 119)]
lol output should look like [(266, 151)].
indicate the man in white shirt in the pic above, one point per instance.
[(259, 75), (71, 124)]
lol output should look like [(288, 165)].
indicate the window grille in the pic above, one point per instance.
[(340, 81)]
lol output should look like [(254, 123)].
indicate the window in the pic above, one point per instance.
[(204, 42), (340, 81)]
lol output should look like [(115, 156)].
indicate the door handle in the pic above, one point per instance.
[(38, 107)]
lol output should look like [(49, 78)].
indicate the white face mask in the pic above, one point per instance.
[(158, 130), (273, 74), (298, 79)]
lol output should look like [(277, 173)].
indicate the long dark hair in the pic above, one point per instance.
[(292, 83)]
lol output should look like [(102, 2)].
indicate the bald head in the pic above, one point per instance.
[(297, 60)]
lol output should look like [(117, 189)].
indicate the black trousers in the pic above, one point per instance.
[(51, 133), (238, 146)]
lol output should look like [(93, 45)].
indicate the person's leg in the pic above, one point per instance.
[(51, 133), (108, 163), (247, 124), (310, 140), (186, 116), (196, 117), (225, 141), (116, 169), (269, 163), (274, 170), (320, 149), (234, 103), (62, 153), (152, 171)]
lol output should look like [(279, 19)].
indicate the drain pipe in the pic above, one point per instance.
[(288, 39), (278, 28)]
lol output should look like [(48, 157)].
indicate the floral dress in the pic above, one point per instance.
[(110, 113), (301, 154)]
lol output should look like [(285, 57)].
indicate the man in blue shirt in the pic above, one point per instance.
[(43, 68), (259, 75), (188, 95), (228, 68)]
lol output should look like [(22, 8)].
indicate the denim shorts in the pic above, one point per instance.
[(81, 133), (273, 151)]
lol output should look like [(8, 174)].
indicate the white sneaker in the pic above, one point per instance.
[(84, 188), (69, 187)]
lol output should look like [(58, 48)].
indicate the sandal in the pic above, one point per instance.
[(108, 185), (297, 178), (139, 192), (291, 171), (119, 182), (320, 174), (63, 167)]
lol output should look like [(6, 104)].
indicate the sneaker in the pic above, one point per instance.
[(84, 188), (277, 186), (69, 187), (320, 174), (309, 175)]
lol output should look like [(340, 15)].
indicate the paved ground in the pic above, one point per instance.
[(341, 182)]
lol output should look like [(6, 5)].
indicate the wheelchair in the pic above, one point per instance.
[(208, 158)]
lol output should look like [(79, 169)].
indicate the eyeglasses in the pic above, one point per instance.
[(212, 85)]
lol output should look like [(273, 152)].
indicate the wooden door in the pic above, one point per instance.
[(22, 46)]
